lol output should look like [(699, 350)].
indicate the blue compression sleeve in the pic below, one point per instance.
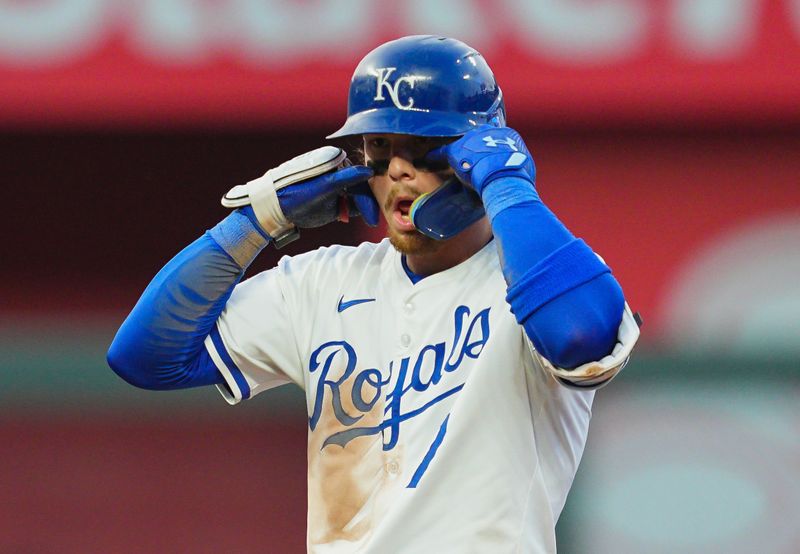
[(160, 344), (566, 299)]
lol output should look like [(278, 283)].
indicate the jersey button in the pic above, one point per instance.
[(405, 339), (408, 307), (393, 467)]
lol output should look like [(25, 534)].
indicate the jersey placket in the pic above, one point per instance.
[(404, 339)]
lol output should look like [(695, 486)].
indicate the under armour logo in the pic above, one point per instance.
[(383, 74), (493, 142)]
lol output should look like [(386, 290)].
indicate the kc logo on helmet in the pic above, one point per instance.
[(393, 90)]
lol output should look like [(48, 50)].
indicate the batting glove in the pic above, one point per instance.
[(487, 153), (481, 156), (311, 190)]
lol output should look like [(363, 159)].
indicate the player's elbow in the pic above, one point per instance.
[(124, 362), (577, 346), (580, 326)]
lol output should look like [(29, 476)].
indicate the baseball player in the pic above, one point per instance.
[(449, 369)]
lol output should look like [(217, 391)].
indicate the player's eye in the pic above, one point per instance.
[(424, 144), (378, 143), (432, 142), (429, 143)]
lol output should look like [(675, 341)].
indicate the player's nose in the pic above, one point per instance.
[(401, 167)]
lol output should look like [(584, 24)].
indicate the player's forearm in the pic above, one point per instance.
[(160, 344), (567, 300)]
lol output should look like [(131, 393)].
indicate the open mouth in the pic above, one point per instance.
[(402, 213)]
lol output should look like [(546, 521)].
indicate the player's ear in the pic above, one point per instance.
[(357, 155)]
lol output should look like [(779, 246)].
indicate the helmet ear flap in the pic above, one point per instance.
[(446, 211)]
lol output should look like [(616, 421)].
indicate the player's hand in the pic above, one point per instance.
[(485, 154), (311, 190)]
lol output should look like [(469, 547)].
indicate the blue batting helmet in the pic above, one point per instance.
[(422, 85)]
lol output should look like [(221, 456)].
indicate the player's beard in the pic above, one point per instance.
[(413, 243)]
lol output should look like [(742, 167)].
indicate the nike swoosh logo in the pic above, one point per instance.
[(350, 303)]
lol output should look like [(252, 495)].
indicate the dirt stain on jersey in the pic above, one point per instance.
[(344, 482), (592, 370)]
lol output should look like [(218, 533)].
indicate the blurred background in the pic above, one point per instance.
[(666, 133)]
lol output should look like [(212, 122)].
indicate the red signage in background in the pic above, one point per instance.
[(260, 62)]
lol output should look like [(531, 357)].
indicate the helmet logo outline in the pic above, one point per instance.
[(393, 90)]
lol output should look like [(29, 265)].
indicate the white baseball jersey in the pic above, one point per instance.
[(432, 428)]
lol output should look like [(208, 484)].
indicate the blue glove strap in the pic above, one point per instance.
[(563, 270), (504, 192)]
